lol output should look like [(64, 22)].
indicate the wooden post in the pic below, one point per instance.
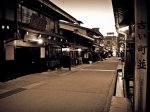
[(140, 79)]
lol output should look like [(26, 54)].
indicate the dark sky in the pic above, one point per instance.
[(93, 13)]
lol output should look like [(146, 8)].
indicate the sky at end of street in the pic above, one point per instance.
[(93, 13)]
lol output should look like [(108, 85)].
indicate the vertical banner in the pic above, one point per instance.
[(140, 80)]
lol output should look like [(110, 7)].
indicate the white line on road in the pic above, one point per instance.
[(97, 70), (34, 85)]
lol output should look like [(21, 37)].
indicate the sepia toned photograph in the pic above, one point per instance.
[(74, 56)]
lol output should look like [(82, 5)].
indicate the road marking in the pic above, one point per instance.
[(33, 85), (11, 92), (97, 70)]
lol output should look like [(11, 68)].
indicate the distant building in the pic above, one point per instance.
[(110, 44)]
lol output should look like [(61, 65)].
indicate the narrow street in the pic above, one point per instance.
[(86, 88)]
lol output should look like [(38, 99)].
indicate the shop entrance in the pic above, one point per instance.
[(28, 60)]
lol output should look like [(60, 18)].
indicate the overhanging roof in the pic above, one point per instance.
[(93, 30), (48, 8), (123, 12), (82, 35), (40, 32), (76, 29)]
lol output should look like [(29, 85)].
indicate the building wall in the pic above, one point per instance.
[(20, 55), (110, 42)]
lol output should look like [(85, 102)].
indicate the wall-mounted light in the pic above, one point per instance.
[(40, 40), (39, 36), (27, 33), (54, 38), (66, 49), (49, 37), (79, 49), (61, 40), (3, 27), (7, 27)]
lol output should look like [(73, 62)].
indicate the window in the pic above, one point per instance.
[(108, 42), (50, 24), (24, 14)]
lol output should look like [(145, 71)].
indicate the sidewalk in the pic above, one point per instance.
[(31, 79)]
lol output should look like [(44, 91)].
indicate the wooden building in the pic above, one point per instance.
[(29, 36), (33, 39), (82, 42), (132, 21)]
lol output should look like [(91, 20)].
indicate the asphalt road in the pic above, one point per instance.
[(86, 88)]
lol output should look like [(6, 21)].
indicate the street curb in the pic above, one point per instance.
[(111, 93)]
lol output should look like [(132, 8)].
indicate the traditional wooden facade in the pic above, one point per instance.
[(135, 14), (29, 29), (82, 42)]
